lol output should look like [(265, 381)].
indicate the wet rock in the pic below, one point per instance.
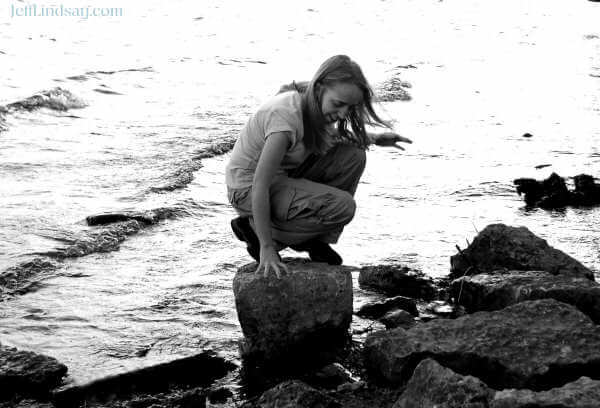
[(583, 393), (200, 369), (527, 135), (300, 318), (331, 376), (375, 310), (536, 344), (28, 373), (293, 394), (395, 280), (434, 386), (500, 246), (146, 217), (493, 292), (398, 318)]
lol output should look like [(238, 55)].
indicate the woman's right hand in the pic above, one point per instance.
[(270, 260)]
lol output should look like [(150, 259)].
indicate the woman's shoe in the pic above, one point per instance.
[(244, 232), (319, 251)]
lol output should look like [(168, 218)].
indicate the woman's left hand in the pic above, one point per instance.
[(390, 139)]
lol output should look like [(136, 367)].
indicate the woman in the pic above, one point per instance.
[(296, 165)]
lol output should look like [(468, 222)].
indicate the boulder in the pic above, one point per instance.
[(583, 393), (28, 373), (301, 317), (493, 292), (331, 376), (500, 246), (398, 318), (394, 279), (434, 386), (535, 344), (375, 310), (587, 191), (293, 394)]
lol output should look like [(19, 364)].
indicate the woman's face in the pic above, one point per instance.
[(338, 99)]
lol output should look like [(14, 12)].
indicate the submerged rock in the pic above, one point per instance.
[(302, 317), (376, 310), (500, 246), (583, 393), (395, 280), (28, 373), (493, 292), (200, 369), (434, 386), (536, 344)]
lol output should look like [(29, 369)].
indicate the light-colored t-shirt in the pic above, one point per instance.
[(282, 113)]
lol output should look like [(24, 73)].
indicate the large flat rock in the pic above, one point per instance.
[(535, 344), (435, 386), (500, 246), (497, 291), (295, 317), (395, 279)]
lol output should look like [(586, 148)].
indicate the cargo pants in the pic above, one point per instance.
[(313, 201)]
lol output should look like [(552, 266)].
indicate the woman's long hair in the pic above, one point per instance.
[(337, 69)]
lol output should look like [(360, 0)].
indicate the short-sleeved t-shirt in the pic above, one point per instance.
[(282, 113)]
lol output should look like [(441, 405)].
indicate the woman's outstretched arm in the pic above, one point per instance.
[(388, 139), (270, 159)]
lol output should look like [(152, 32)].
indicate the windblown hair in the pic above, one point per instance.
[(337, 69)]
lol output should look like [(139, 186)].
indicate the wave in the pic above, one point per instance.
[(58, 99), (393, 89), (184, 173), (94, 74), (25, 277), (116, 227)]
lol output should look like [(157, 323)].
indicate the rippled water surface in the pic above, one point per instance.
[(165, 82)]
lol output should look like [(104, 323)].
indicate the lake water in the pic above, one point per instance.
[(149, 92)]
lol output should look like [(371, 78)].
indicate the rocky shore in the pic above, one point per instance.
[(515, 324)]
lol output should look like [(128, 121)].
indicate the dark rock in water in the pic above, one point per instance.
[(28, 373), (433, 385), (549, 193), (201, 369), (397, 280), (553, 193), (542, 166), (296, 320), (493, 292), (146, 217), (587, 191), (583, 393), (527, 135), (398, 318), (536, 344), (293, 394), (500, 246), (375, 310)]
